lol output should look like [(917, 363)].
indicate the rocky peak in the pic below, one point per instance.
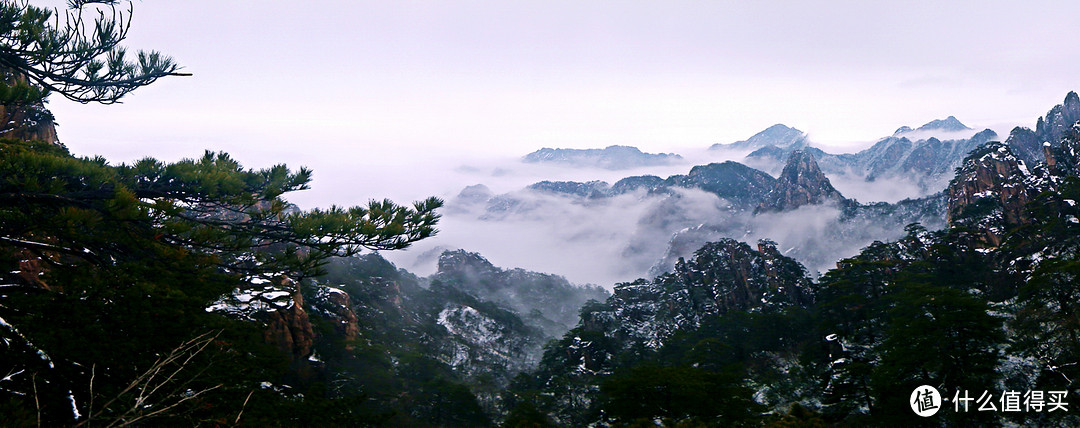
[(722, 276), (476, 193), (990, 192), (1052, 128), (630, 184), (801, 183), (1059, 120), (548, 301), (948, 124), (1064, 160), (732, 181), (778, 135), (467, 267), (289, 328)]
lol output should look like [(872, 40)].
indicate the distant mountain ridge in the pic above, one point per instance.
[(748, 203), (909, 154), (990, 297), (949, 124), (611, 157), (778, 135)]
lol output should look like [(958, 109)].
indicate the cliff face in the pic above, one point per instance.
[(723, 276), (25, 122), (640, 317), (279, 307), (994, 186), (1028, 144), (996, 175), (801, 183), (289, 329), (549, 302)]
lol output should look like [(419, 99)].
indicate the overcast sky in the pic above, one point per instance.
[(370, 93)]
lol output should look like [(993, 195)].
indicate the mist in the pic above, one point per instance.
[(610, 239)]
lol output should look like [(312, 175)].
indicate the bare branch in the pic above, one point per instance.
[(170, 373)]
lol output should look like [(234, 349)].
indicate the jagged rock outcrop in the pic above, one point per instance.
[(336, 306), (641, 316), (484, 340), (739, 184), (801, 183), (1059, 120), (25, 122), (289, 328), (991, 191), (277, 305), (1050, 129), (925, 156), (723, 276), (549, 302)]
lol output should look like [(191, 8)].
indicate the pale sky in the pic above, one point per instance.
[(371, 94)]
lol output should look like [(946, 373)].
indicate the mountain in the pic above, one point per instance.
[(777, 135), (611, 157), (592, 189), (675, 216), (801, 183), (732, 181), (989, 299), (739, 184), (549, 302), (923, 158), (917, 156), (465, 331), (643, 316), (1027, 144), (993, 188), (949, 124)]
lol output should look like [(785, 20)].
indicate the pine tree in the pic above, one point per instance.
[(108, 268), (81, 59)]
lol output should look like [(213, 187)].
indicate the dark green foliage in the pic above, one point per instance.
[(1048, 322), (108, 267), (526, 415), (87, 210), (79, 59), (679, 393), (399, 359), (937, 335)]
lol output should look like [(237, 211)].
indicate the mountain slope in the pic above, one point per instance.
[(801, 183), (611, 157), (988, 300), (775, 136)]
